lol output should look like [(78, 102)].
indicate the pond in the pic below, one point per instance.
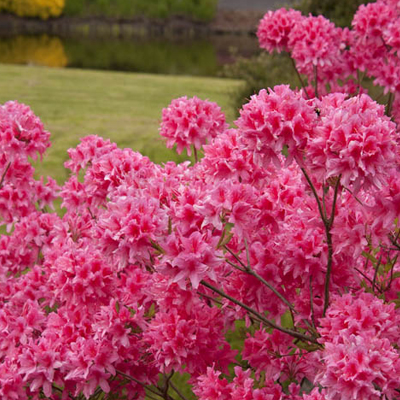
[(201, 57)]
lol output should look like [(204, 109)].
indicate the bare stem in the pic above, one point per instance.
[(391, 274), (300, 78), (4, 174), (321, 212), (357, 199), (390, 104), (328, 223), (376, 272), (196, 156), (131, 378), (248, 270), (264, 320), (312, 303), (178, 392), (328, 226)]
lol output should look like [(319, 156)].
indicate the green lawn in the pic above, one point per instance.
[(124, 107)]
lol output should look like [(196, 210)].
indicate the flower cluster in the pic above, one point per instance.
[(187, 122), (267, 270)]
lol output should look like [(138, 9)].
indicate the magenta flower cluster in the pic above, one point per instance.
[(267, 270)]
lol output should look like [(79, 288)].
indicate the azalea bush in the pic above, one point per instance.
[(286, 229), (42, 9)]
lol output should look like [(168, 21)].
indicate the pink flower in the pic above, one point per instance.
[(359, 361), (21, 131), (273, 119), (360, 368), (275, 27), (187, 122), (315, 42), (354, 140)]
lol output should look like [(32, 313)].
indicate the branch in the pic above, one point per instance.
[(376, 272), (266, 321), (4, 174), (131, 378), (321, 213), (248, 270), (177, 391), (316, 80), (196, 156), (328, 225), (300, 78), (390, 104)]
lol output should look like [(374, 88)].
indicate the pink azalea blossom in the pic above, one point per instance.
[(191, 121)]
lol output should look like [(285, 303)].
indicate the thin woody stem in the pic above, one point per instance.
[(264, 320), (131, 378), (248, 270), (196, 156), (376, 272), (390, 104), (178, 392), (300, 78), (321, 212), (312, 303), (316, 80), (4, 174), (328, 226), (328, 223)]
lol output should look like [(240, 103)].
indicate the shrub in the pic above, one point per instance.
[(288, 227), (197, 9), (341, 12), (43, 9)]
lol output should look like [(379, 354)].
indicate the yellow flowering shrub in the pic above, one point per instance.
[(43, 9), (38, 50)]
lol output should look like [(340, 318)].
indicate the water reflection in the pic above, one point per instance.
[(34, 50), (191, 57)]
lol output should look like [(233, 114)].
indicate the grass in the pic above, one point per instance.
[(124, 107)]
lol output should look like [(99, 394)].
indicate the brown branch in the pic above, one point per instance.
[(264, 320), (4, 174), (248, 270), (300, 78)]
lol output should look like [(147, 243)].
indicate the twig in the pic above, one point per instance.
[(196, 156), (312, 303), (328, 225), (376, 272), (357, 199), (391, 274), (248, 270), (316, 80), (166, 386), (131, 378), (300, 78), (321, 213), (390, 104), (4, 174), (177, 391), (266, 321)]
